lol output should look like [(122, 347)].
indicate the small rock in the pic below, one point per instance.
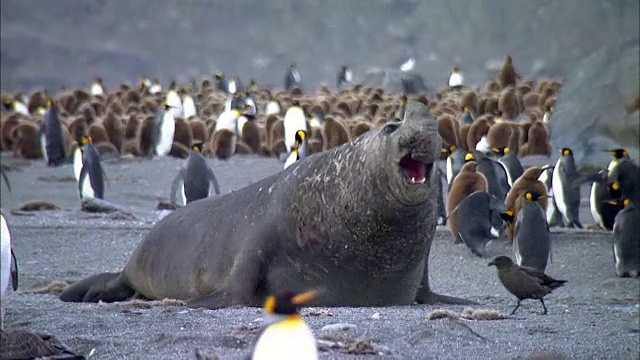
[(338, 327)]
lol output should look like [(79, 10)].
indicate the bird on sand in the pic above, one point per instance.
[(525, 282)]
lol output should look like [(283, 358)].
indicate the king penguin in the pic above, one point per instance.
[(618, 154), (235, 85), (626, 239), (477, 216), (299, 149), (165, 127), (455, 78), (9, 264), (509, 160), (51, 140), (554, 218), (345, 76), (292, 78), (294, 120), (603, 212), (221, 82), (77, 156), (91, 179), (188, 103), (531, 239), (493, 171), (287, 336), (173, 100), (272, 106), (156, 87), (194, 179), (566, 190), (624, 181), (97, 87), (455, 161)]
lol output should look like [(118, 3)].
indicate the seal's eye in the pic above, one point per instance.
[(391, 127)]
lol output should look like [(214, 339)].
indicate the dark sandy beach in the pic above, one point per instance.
[(596, 315)]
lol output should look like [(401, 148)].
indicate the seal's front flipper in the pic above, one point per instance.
[(216, 300), (107, 287), (431, 298)]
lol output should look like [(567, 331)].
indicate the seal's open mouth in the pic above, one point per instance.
[(415, 171)]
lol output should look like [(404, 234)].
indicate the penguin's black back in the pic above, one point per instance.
[(513, 165), (531, 235), (196, 181), (52, 129), (93, 168)]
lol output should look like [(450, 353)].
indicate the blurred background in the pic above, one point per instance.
[(67, 42)]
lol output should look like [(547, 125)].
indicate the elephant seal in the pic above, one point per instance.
[(355, 222)]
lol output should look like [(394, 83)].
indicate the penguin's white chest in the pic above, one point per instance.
[(592, 205), (348, 76), (174, 101), (77, 163), (558, 189), (20, 108), (483, 145), (546, 118), (5, 256), (227, 120), (232, 87), (294, 120), (188, 107), (455, 79), (96, 89), (43, 147), (449, 170), (272, 108), (286, 342), (241, 121), (167, 129), (86, 190), (296, 76), (293, 157)]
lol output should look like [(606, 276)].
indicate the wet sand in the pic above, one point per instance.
[(596, 315)]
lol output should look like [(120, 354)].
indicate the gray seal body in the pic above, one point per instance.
[(355, 222), (477, 214), (531, 241), (626, 241)]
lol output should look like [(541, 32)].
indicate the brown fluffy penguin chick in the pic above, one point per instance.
[(67, 141), (463, 133), (528, 181), (514, 139), (25, 141), (499, 134), (334, 133), (537, 141), (314, 146), (131, 127), (507, 75), (183, 133), (465, 183), (360, 128), (508, 103), (469, 100), (198, 130), (242, 148), (277, 133), (491, 106), (98, 133), (7, 126), (447, 130), (78, 128), (145, 137), (479, 129), (278, 147), (106, 147), (251, 136), (179, 150), (112, 124), (223, 144), (130, 146)]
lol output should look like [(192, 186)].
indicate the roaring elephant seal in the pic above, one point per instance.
[(356, 222)]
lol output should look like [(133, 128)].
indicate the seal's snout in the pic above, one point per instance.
[(414, 171)]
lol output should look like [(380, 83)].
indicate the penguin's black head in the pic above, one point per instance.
[(98, 80), (197, 147), (566, 151), (620, 203), (500, 150), (301, 135), (533, 196), (293, 65), (403, 99), (618, 153), (219, 75), (507, 216), (456, 69), (287, 303), (166, 106), (85, 140)]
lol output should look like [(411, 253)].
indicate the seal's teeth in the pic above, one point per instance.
[(413, 180), (421, 181)]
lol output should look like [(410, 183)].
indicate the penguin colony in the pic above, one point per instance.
[(484, 133)]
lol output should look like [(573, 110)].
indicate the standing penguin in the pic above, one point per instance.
[(51, 140), (554, 218), (299, 149), (287, 335), (294, 120), (468, 181), (97, 88), (9, 267), (624, 181), (618, 154), (91, 178), (455, 78), (164, 129), (626, 239), (292, 78), (509, 160), (77, 156), (173, 101), (188, 103), (345, 76), (477, 216), (235, 85), (272, 106), (194, 179), (221, 82), (603, 212), (455, 161), (531, 239), (566, 189)]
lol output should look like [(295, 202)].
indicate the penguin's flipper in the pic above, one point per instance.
[(6, 179), (14, 271), (213, 180), (175, 185)]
